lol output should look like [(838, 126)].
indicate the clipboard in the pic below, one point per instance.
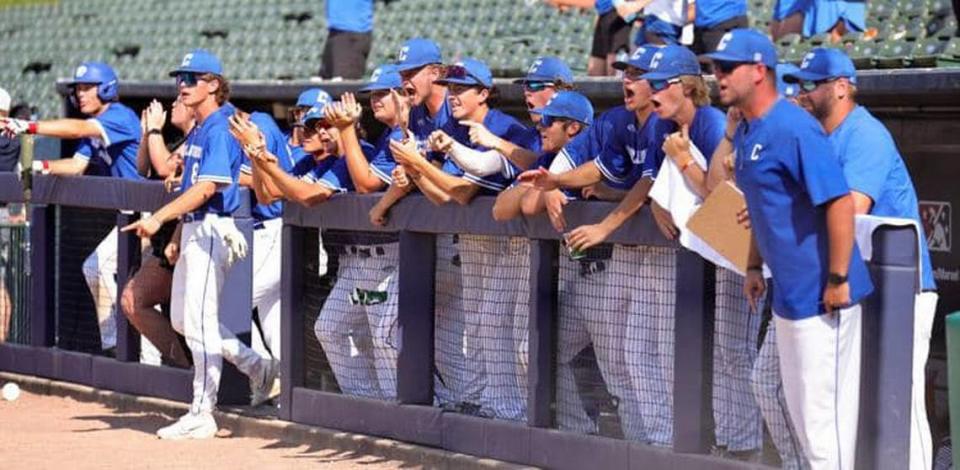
[(715, 222)]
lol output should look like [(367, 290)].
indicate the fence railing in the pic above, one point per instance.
[(412, 416)]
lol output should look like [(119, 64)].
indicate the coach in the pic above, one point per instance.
[(802, 216)]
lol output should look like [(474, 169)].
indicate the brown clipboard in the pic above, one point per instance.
[(715, 222)]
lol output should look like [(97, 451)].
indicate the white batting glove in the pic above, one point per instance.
[(11, 127), (235, 243)]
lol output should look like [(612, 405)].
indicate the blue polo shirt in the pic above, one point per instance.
[(503, 126), (873, 166), (822, 15), (788, 170), (114, 153), (277, 145), (350, 15), (713, 12), (785, 8), (422, 125), (632, 150), (212, 154)]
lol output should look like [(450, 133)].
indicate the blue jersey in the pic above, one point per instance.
[(381, 160), (212, 154), (350, 15), (713, 12), (422, 125), (788, 171), (785, 8), (115, 151), (822, 16), (337, 175), (277, 145), (503, 126), (633, 150), (874, 167)]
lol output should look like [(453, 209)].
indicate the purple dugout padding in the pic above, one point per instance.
[(541, 374)]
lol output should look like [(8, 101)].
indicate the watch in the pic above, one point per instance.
[(836, 279)]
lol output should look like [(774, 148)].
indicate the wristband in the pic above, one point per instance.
[(727, 137), (32, 127), (154, 131), (755, 268)]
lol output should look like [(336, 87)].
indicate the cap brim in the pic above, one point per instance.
[(374, 87), (724, 57), (191, 70), (459, 81), (658, 76), (412, 65), (804, 76), (619, 65)]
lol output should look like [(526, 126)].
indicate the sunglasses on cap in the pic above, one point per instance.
[(188, 79), (537, 86), (460, 73), (726, 67), (547, 121), (660, 85), (808, 87)]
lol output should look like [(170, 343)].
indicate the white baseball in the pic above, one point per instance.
[(10, 391)]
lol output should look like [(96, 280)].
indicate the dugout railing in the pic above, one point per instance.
[(887, 340)]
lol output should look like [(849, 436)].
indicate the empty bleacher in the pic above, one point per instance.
[(283, 39)]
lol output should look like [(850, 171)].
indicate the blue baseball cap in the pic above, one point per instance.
[(416, 53), (548, 69), (823, 63), (640, 58), (384, 77), (199, 61), (745, 46), (788, 90), (313, 96), (314, 113), (468, 71), (670, 62), (568, 105)]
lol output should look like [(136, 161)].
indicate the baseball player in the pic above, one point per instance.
[(489, 264), (880, 185), (109, 139), (209, 242), (631, 137), (681, 96), (801, 213), (307, 99)]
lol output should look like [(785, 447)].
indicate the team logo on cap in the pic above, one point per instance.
[(375, 76), (722, 45), (402, 55), (186, 60), (535, 67), (806, 60), (81, 71), (655, 61)]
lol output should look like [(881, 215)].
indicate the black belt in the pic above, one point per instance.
[(363, 252)]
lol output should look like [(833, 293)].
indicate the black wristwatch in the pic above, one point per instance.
[(154, 131), (836, 279)]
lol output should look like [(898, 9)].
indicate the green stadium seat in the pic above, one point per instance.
[(893, 54), (925, 53), (863, 54)]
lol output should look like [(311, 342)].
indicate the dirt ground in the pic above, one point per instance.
[(49, 432)]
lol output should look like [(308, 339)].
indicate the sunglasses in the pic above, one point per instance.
[(726, 67), (188, 79), (459, 73), (310, 131), (537, 86), (808, 87), (660, 85)]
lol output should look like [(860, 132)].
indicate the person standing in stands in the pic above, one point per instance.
[(349, 38), (109, 139), (611, 35), (713, 19)]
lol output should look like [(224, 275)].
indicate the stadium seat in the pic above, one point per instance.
[(893, 54), (925, 53), (863, 54)]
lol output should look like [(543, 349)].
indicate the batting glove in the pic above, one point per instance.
[(10, 127), (236, 245)]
